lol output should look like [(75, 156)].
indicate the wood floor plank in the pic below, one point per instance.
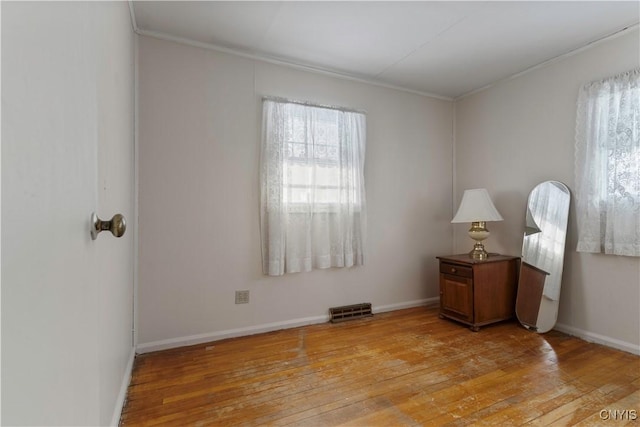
[(406, 367)]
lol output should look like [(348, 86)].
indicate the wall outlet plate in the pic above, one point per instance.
[(242, 297)]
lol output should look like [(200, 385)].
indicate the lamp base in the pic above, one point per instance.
[(478, 232), (478, 252)]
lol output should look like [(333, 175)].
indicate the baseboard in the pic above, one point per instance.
[(598, 339), (428, 302), (229, 333), (268, 327), (122, 395)]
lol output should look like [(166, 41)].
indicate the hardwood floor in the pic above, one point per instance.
[(406, 367)]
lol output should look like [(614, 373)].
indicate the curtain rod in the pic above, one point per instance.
[(312, 104), (629, 73)]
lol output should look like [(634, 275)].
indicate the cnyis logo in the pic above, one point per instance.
[(619, 414)]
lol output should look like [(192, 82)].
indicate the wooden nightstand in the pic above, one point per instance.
[(475, 292)]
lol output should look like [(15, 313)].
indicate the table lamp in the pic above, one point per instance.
[(477, 208)]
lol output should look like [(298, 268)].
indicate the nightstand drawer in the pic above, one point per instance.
[(456, 270)]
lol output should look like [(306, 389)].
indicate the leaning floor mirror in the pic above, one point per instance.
[(543, 245)]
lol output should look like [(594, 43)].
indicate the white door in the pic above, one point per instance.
[(67, 150)]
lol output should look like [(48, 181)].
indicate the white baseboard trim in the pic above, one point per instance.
[(598, 339), (229, 333), (122, 395), (407, 304), (268, 327)]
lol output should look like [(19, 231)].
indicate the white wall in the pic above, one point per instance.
[(199, 133), (67, 150), (519, 133)]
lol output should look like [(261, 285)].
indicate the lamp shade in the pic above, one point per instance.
[(476, 205)]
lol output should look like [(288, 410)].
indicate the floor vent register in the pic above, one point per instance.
[(349, 312)]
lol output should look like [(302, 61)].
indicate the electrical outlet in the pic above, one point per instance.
[(242, 297)]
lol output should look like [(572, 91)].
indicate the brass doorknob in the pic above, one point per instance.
[(116, 225)]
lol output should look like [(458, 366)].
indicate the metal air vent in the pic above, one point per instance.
[(348, 312)]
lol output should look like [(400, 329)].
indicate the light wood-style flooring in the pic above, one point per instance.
[(402, 368)]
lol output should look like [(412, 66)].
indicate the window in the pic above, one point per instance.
[(312, 170), (608, 166), (312, 187)]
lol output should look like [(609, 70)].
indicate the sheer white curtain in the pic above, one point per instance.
[(313, 210), (608, 166)]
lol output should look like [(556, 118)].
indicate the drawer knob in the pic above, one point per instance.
[(453, 270)]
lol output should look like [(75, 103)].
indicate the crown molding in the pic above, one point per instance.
[(553, 60)]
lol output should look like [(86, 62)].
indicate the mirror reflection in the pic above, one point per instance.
[(546, 218)]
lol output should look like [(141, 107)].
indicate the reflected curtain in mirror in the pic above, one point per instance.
[(543, 249), (546, 217)]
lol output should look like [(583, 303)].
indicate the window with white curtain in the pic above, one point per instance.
[(313, 210), (608, 166)]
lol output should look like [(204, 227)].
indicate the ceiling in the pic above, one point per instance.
[(446, 48)]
